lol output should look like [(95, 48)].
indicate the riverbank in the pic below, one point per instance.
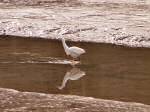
[(120, 23), (13, 100)]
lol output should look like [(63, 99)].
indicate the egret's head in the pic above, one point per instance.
[(63, 31)]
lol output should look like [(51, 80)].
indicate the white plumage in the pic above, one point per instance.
[(73, 51)]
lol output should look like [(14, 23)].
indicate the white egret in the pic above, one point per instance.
[(73, 51)]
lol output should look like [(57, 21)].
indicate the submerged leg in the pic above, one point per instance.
[(73, 62), (79, 59)]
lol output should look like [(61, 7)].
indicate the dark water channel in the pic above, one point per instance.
[(107, 71)]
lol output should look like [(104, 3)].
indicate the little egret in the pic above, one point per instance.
[(73, 51)]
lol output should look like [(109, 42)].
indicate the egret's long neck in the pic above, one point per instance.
[(65, 45)]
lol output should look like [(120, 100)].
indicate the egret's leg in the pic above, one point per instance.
[(69, 58), (74, 59), (79, 59), (73, 62)]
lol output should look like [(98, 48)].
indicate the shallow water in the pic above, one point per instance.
[(106, 71)]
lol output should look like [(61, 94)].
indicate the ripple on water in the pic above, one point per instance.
[(35, 58)]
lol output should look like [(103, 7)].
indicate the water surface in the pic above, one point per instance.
[(106, 71)]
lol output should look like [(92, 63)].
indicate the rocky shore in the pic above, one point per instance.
[(16, 101), (118, 22)]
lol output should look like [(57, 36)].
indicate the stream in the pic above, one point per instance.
[(106, 71)]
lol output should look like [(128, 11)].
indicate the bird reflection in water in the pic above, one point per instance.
[(73, 74)]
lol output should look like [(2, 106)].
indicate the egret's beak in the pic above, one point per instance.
[(63, 31), (59, 37)]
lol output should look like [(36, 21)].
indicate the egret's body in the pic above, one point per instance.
[(73, 51)]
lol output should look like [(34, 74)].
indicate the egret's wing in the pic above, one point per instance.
[(76, 50)]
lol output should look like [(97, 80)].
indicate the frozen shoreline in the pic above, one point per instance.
[(120, 24)]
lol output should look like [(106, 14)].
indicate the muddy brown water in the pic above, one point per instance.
[(106, 71)]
